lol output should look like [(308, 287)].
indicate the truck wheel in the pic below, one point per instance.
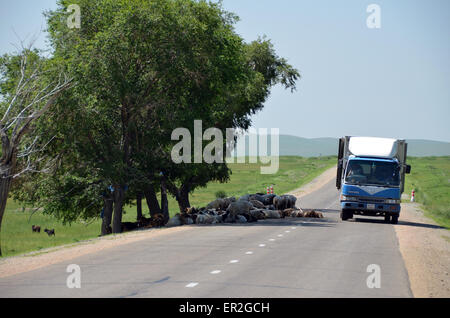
[(387, 218), (346, 214), (394, 219)]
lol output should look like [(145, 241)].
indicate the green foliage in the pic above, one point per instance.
[(430, 178), (143, 69), (221, 194)]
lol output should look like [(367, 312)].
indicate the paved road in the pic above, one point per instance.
[(273, 258)]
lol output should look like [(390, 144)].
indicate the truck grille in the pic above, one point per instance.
[(371, 200)]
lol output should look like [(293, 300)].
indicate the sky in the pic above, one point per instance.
[(393, 81)]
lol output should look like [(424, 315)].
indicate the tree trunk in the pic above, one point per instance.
[(139, 206), (5, 186), (183, 198), (164, 202), (107, 216), (152, 201), (118, 207)]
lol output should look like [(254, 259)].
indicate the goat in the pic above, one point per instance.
[(129, 226), (50, 232), (36, 228), (313, 214)]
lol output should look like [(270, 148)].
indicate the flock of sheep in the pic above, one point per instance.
[(248, 208)]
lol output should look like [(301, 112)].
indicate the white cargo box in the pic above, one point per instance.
[(373, 147)]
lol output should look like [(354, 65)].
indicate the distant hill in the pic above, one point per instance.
[(304, 147)]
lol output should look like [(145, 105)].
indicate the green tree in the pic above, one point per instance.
[(142, 69), (28, 89), (233, 109)]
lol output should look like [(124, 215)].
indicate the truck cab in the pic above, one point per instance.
[(371, 176)]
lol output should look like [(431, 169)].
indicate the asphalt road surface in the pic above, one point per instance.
[(271, 258)]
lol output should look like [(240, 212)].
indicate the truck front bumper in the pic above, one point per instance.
[(371, 208)]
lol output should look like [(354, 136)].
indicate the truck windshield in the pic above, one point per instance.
[(378, 173)]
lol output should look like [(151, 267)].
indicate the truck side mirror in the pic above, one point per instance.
[(408, 169)]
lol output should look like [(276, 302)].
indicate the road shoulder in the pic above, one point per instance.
[(425, 248), (316, 183), (19, 264)]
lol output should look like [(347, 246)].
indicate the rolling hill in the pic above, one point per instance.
[(304, 147)]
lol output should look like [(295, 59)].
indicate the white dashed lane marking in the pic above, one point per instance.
[(234, 261)]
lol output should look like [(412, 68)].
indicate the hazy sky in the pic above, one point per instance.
[(389, 82)]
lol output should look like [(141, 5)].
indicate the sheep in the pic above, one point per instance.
[(238, 208), (245, 198), (129, 226), (278, 202), (268, 199), (50, 232), (313, 214), (272, 214), (36, 228), (291, 200), (241, 219), (191, 211), (258, 214), (249, 217), (227, 218), (189, 221), (205, 219), (220, 204), (291, 212), (157, 220), (218, 219), (257, 204), (143, 222), (257, 197), (284, 202), (228, 201), (288, 212), (216, 204), (174, 221)]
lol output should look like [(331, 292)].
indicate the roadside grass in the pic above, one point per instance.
[(17, 236), (430, 178), (247, 178)]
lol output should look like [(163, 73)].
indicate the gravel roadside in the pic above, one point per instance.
[(425, 247)]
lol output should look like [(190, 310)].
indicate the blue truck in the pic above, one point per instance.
[(371, 176)]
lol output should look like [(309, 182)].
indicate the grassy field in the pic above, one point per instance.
[(18, 238), (430, 177)]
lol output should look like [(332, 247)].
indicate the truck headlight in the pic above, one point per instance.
[(347, 198), (390, 201)]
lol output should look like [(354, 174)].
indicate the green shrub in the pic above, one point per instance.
[(221, 194)]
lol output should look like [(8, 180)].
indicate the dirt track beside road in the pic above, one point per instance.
[(425, 249)]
